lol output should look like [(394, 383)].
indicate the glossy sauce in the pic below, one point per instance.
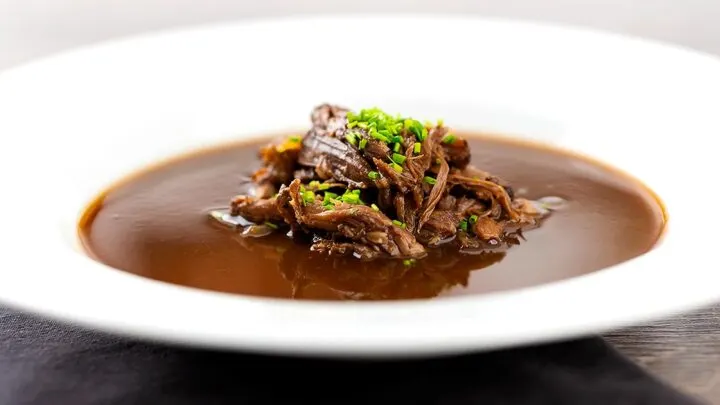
[(156, 225)]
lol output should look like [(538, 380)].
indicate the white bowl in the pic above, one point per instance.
[(73, 124)]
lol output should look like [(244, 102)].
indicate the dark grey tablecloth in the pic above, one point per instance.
[(42, 362)]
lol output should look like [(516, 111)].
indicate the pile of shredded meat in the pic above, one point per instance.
[(372, 185)]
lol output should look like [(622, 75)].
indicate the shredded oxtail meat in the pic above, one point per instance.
[(370, 185)]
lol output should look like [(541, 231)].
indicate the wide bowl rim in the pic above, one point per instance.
[(321, 328)]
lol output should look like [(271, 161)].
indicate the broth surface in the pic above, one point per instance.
[(156, 225)]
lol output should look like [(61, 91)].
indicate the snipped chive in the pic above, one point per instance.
[(399, 224), (385, 127), (351, 138), (271, 225), (473, 219), (417, 148), (375, 134), (375, 207), (429, 180), (352, 197), (329, 200), (329, 197), (464, 225), (295, 139), (396, 167), (398, 158), (449, 139), (363, 143), (316, 185), (415, 127), (396, 147), (374, 175), (308, 197), (409, 262)]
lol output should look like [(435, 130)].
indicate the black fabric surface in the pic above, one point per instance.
[(42, 362)]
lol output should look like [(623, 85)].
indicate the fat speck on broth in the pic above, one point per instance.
[(368, 206)]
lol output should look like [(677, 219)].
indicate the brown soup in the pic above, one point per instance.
[(156, 225)]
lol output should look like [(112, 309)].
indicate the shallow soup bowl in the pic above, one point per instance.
[(74, 124)]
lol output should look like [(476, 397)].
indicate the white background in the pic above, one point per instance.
[(32, 28)]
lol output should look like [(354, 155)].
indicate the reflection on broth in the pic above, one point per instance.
[(350, 279)]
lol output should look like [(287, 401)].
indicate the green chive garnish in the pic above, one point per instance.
[(429, 180), (271, 225), (398, 158), (329, 196), (396, 167), (375, 207), (398, 223), (417, 148), (351, 138), (449, 139), (308, 197), (374, 175), (464, 225), (363, 143), (352, 197), (409, 262), (440, 122), (396, 147), (295, 139), (473, 219), (375, 134), (415, 127), (384, 127), (316, 185)]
